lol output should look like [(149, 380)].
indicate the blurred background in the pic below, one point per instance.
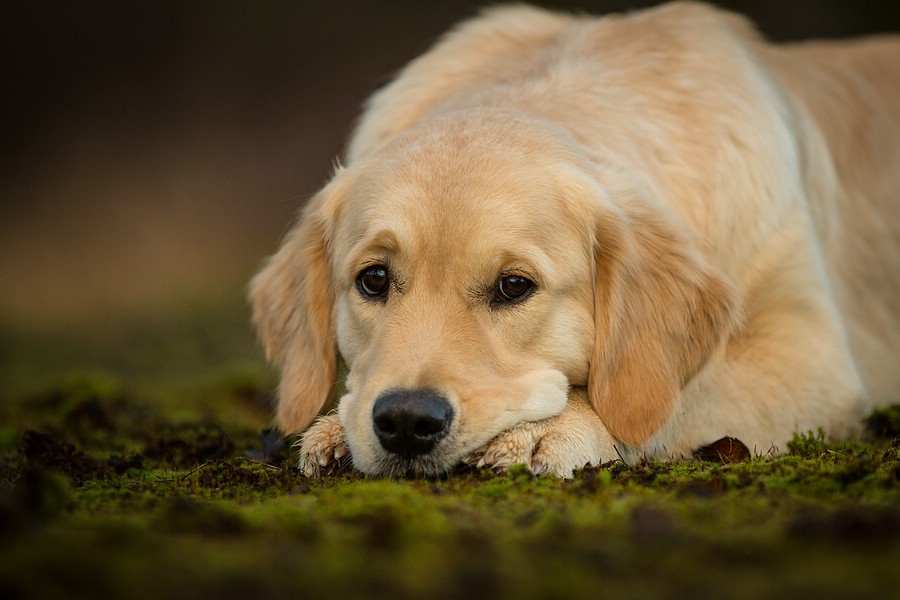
[(153, 153)]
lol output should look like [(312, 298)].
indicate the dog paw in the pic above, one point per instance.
[(531, 445), (558, 454), (514, 446), (322, 447), (556, 446)]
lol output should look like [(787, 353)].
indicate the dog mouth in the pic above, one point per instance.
[(450, 455), (425, 466), (445, 458)]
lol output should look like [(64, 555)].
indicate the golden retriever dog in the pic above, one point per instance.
[(559, 240)]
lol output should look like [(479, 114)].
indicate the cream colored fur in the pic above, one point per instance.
[(711, 222)]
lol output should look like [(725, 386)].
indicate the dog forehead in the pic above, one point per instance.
[(466, 192), (461, 218)]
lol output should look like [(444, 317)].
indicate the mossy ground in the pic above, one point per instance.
[(111, 488)]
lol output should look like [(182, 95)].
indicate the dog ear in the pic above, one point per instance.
[(660, 312), (292, 299)]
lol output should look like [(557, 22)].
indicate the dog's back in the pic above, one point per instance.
[(851, 89)]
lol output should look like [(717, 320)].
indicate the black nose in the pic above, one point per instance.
[(411, 422)]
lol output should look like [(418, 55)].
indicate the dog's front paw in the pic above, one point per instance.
[(558, 445), (558, 453), (514, 446), (536, 446), (322, 447)]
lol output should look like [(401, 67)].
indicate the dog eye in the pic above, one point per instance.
[(512, 288), (374, 282)]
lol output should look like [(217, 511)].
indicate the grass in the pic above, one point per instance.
[(111, 486)]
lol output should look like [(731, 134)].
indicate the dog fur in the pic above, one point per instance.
[(710, 223)]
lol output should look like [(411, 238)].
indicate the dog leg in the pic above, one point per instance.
[(322, 446), (558, 445), (788, 372)]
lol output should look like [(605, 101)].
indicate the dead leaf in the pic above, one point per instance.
[(724, 451)]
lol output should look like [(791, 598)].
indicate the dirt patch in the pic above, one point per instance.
[(49, 452)]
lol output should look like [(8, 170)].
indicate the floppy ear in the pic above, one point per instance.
[(293, 299), (660, 312)]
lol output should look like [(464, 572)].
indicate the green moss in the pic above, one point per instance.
[(808, 445), (885, 422), (115, 487)]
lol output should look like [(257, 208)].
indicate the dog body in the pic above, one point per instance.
[(561, 240)]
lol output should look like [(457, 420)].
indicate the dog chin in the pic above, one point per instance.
[(394, 465), (448, 455)]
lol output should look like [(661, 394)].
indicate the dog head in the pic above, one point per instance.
[(469, 273)]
